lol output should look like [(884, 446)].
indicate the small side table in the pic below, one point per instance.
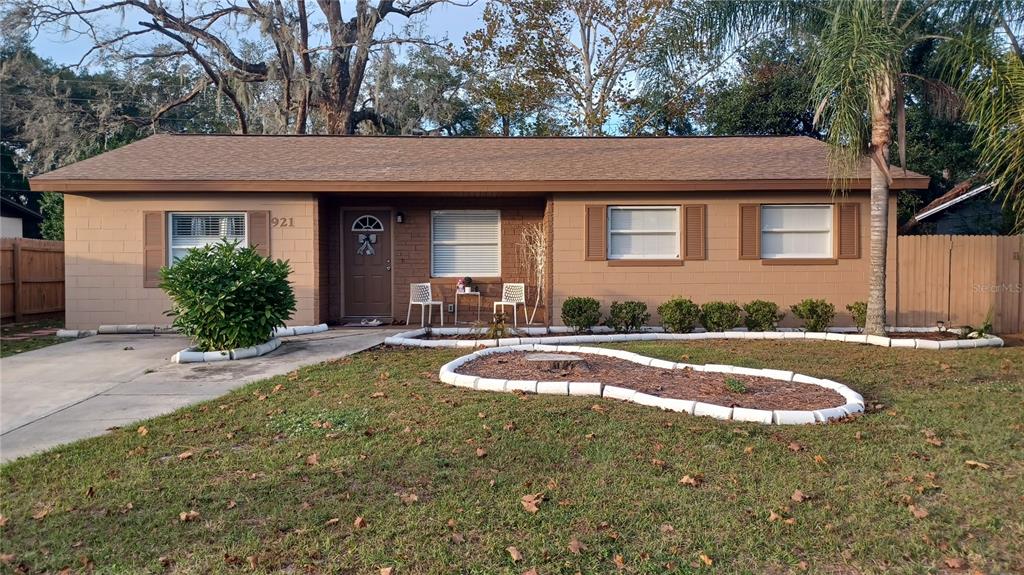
[(479, 303)]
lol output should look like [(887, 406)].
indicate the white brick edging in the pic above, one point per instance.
[(854, 401), (412, 338), (123, 329), (190, 355)]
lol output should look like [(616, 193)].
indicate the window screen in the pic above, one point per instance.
[(189, 231), (796, 231), (643, 232), (465, 243)]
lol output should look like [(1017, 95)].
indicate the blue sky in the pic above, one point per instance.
[(444, 20)]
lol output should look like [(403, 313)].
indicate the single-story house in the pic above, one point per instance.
[(360, 218), (968, 208), (18, 220)]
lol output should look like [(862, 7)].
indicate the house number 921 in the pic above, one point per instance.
[(282, 222)]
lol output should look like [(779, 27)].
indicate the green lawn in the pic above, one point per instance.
[(13, 347), (437, 474)]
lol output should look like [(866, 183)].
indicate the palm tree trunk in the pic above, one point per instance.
[(875, 321), (881, 136)]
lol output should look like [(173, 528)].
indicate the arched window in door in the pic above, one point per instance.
[(367, 223)]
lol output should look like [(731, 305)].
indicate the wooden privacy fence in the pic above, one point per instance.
[(960, 280), (31, 277)]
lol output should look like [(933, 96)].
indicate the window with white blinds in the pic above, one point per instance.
[(643, 232), (188, 231), (465, 243), (796, 231)]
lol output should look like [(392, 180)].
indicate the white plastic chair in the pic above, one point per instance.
[(422, 295), (513, 295)]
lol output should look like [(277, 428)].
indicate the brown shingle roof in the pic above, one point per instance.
[(169, 161)]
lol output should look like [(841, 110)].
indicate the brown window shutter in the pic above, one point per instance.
[(259, 232), (750, 231), (597, 233), (154, 247), (849, 231), (694, 232)]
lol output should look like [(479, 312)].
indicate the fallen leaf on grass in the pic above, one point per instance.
[(798, 496), (232, 504), (706, 560), (694, 481), (458, 538), (794, 446), (530, 571), (976, 464), (3, 520), (773, 516), (657, 462), (575, 546), (531, 502), (313, 459), (918, 512), (408, 498), (620, 562), (359, 523), (481, 452), (387, 571), (142, 430), (188, 515), (666, 528), (332, 521), (43, 511), (598, 408), (748, 450), (954, 563), (7, 558), (377, 394), (819, 459), (184, 455), (514, 553)]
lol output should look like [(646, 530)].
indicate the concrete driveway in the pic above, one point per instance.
[(83, 387)]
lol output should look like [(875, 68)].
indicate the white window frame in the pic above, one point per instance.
[(170, 229), (433, 242), (831, 232), (612, 232)]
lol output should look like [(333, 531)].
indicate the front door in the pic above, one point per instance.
[(367, 257)]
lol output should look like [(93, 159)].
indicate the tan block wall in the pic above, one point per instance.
[(103, 252), (723, 276)]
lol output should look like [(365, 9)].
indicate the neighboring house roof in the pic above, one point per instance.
[(13, 209), (171, 162), (959, 193)]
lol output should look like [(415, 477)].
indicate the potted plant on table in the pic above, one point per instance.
[(465, 285)]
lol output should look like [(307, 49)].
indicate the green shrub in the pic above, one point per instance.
[(817, 314), (762, 315), (627, 316), (719, 315), (224, 298), (581, 313), (679, 315), (859, 311)]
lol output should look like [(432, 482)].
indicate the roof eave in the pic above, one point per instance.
[(42, 184)]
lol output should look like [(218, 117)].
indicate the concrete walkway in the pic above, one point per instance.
[(83, 387)]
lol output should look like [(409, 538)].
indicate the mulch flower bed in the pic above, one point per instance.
[(761, 392), (930, 335)]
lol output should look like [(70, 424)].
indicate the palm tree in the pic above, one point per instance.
[(863, 52), (987, 67)]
